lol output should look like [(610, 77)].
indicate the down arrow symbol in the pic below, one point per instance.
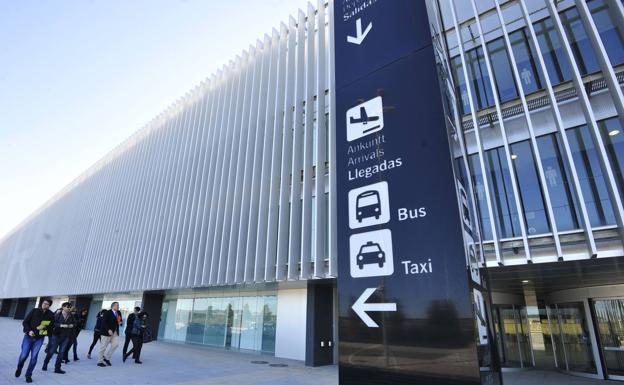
[(359, 35), (360, 307)]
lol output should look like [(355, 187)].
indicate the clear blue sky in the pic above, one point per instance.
[(79, 77)]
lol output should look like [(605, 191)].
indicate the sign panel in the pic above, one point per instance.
[(405, 305)]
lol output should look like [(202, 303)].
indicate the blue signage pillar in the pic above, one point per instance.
[(406, 313)]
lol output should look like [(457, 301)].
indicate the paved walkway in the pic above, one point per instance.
[(533, 377), (163, 363), (182, 364)]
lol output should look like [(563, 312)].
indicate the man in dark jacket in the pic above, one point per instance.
[(137, 332), (37, 324), (127, 332), (111, 320), (63, 328), (80, 318), (96, 331)]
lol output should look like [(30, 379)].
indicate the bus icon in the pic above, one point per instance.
[(367, 205)]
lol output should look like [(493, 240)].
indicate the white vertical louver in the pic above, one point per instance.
[(217, 190)]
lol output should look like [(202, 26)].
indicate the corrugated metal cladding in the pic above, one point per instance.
[(227, 186)]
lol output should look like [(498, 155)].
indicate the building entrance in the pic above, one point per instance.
[(571, 338), (566, 317), (609, 315), (513, 337)]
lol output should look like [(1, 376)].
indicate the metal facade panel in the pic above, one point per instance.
[(320, 213), (294, 231), (283, 226), (308, 148)]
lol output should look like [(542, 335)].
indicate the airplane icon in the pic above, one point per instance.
[(365, 118)]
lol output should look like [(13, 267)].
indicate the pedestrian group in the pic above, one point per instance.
[(63, 327)]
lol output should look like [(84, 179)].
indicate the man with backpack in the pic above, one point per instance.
[(37, 324), (129, 323), (137, 332), (96, 331)]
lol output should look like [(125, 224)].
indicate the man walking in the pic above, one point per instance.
[(96, 331), (111, 320), (37, 324), (80, 318), (63, 329), (137, 331), (128, 332)]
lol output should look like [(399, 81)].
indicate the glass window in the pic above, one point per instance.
[(314, 229), (590, 176), (251, 323), (552, 52), (445, 12), (479, 78), (460, 171), (579, 42), (216, 322), (182, 318), (613, 136), (463, 10), (269, 323), (233, 334), (611, 36), (505, 212), (558, 183), (460, 85), (164, 314), (197, 324), (533, 6), (484, 5), (502, 70), (94, 308), (530, 190), (484, 215), (232, 322), (125, 307), (530, 76)]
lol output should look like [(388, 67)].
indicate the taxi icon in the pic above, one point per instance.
[(371, 253)]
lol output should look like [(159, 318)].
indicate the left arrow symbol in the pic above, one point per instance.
[(360, 307), (359, 35)]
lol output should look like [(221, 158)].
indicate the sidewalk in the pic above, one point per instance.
[(163, 363)]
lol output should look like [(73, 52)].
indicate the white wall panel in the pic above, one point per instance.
[(218, 189)]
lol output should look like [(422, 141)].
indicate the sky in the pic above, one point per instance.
[(78, 77)]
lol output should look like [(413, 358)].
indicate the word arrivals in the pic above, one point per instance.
[(411, 268), (355, 160), (372, 170)]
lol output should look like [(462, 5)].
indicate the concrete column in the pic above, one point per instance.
[(290, 334), (152, 304)]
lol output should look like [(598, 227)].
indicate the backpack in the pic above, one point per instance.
[(147, 335)]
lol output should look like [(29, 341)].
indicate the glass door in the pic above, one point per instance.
[(573, 338), (610, 325), (513, 330)]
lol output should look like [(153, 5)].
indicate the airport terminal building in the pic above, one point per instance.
[(219, 217)]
